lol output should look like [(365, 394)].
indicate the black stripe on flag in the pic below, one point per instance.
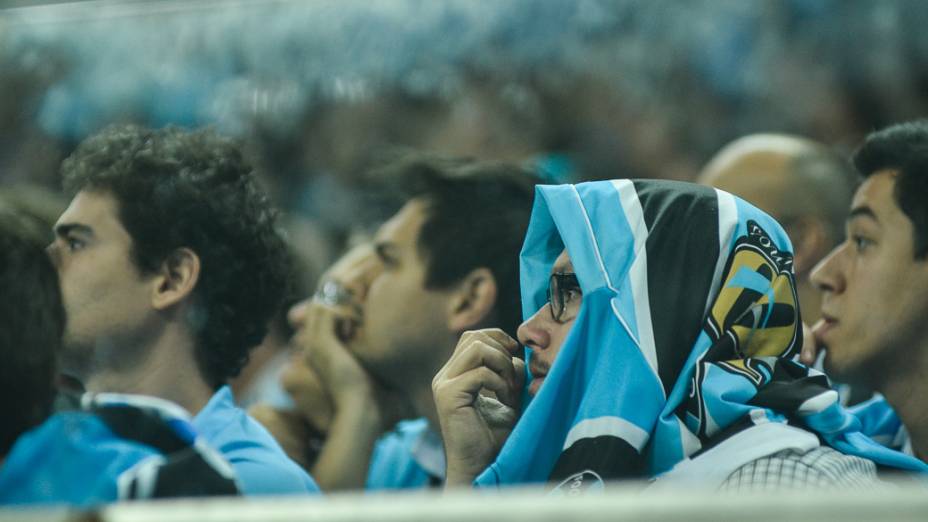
[(608, 456), (682, 248)]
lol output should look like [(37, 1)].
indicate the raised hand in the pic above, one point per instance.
[(477, 394)]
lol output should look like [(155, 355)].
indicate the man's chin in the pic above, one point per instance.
[(535, 386), (840, 371), (69, 384)]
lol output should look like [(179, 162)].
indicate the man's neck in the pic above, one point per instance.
[(424, 403), (905, 391), (169, 372), (416, 385)]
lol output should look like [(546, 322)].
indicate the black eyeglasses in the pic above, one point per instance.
[(563, 291)]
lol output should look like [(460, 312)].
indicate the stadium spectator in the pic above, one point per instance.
[(445, 263), (874, 286), (118, 447), (170, 270)]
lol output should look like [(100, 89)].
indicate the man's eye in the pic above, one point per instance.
[(74, 244), (861, 244), (572, 293)]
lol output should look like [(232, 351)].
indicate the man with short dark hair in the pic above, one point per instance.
[(875, 284), (445, 263), (170, 268)]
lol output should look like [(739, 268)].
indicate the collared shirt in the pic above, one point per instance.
[(261, 465), (770, 456), (410, 456), (791, 470)]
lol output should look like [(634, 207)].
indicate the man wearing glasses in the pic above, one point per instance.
[(662, 323)]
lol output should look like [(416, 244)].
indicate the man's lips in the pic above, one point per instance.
[(537, 371), (822, 328), (537, 381)]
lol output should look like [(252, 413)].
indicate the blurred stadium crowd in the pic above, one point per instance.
[(590, 89)]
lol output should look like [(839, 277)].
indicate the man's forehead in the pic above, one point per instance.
[(875, 194), (562, 263), (88, 205), (96, 210)]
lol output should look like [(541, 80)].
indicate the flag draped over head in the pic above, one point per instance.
[(685, 336)]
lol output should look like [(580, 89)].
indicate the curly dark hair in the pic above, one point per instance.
[(178, 188), (478, 212), (32, 321), (902, 147)]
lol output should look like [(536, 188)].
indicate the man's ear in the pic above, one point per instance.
[(176, 279), (472, 300), (811, 242)]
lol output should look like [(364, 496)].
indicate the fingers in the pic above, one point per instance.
[(478, 355), (317, 339), (319, 324), (351, 274), (494, 337), (466, 386), (518, 365), (809, 349), (297, 313)]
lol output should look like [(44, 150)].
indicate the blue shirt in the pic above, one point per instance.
[(261, 465), (72, 458), (410, 456)]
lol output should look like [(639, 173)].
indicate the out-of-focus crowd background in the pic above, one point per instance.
[(583, 89)]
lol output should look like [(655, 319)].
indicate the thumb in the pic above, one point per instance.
[(809, 350)]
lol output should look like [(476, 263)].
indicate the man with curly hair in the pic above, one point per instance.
[(170, 269), (107, 448)]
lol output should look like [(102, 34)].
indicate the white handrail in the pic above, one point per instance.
[(625, 502)]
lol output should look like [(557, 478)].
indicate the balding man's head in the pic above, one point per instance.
[(788, 177)]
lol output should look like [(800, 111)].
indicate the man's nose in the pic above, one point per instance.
[(53, 254), (534, 332), (358, 279), (826, 275)]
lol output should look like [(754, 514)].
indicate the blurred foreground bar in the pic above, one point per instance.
[(902, 503)]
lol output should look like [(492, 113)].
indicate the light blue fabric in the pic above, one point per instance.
[(880, 422), (393, 463), (602, 374), (72, 459), (261, 465)]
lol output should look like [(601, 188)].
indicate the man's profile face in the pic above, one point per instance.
[(106, 299), (543, 335), (404, 324), (873, 287)]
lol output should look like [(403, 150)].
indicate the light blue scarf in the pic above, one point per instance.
[(688, 323)]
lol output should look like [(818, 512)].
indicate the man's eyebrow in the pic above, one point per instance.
[(67, 228), (860, 212)]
